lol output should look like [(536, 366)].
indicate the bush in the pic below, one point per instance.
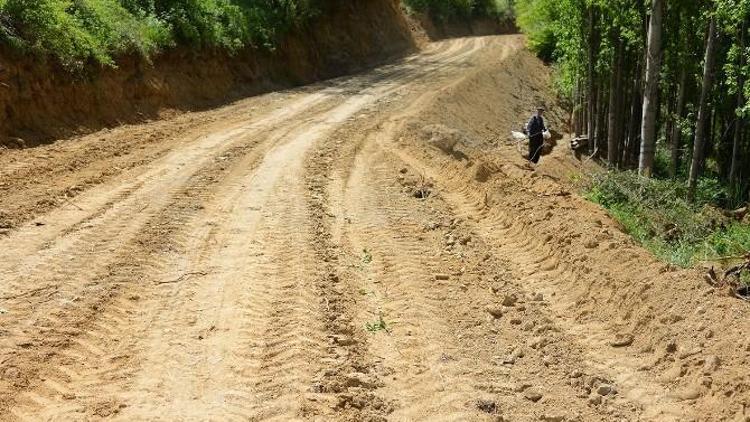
[(656, 213), (80, 31)]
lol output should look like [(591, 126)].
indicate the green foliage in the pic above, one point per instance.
[(377, 325), (82, 31), (656, 213), (465, 9)]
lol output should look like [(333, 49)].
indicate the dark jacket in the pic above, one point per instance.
[(536, 126)]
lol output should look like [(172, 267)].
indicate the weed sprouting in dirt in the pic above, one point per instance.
[(377, 325), (366, 256)]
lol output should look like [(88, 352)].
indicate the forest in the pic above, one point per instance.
[(660, 90)]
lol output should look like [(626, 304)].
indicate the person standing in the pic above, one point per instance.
[(535, 129)]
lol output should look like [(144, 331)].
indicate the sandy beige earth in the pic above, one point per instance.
[(368, 248)]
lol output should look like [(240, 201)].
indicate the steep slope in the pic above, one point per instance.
[(40, 101)]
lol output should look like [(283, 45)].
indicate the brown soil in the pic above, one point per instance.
[(40, 102), (270, 260)]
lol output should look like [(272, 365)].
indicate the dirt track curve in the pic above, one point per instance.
[(271, 260)]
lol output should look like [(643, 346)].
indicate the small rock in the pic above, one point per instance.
[(487, 406), (539, 297), (671, 346), (690, 393), (510, 300), (591, 244), (522, 387), (537, 342), (622, 340), (532, 394), (595, 399), (496, 312), (688, 353), (711, 365), (604, 390), (552, 418), (516, 321)]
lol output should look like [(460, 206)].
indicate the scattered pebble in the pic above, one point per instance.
[(532, 394), (711, 365), (496, 312), (605, 390), (622, 340), (510, 300)]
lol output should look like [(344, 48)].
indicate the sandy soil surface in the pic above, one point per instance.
[(368, 248)]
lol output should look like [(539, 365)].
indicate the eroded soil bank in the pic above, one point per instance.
[(39, 101)]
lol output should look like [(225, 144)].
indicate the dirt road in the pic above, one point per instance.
[(311, 255)]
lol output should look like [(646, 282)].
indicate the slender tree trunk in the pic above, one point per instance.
[(703, 111), (590, 93), (676, 136), (631, 152), (653, 67), (737, 141), (601, 115), (613, 141)]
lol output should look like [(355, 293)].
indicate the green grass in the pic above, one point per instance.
[(80, 32), (657, 215)]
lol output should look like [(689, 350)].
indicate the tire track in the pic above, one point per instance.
[(513, 230), (194, 288)]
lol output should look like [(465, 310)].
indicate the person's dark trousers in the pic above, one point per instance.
[(535, 148)]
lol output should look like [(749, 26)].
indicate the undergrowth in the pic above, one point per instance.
[(656, 213), (78, 32)]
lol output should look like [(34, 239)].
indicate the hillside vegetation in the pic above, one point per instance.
[(659, 88), (81, 31)]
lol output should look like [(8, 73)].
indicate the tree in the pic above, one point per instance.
[(653, 67), (703, 111)]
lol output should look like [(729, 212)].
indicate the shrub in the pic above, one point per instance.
[(656, 213), (80, 31)]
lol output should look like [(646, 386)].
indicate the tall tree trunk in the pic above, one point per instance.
[(590, 93), (631, 152), (653, 67), (703, 111), (737, 141), (676, 136), (613, 141)]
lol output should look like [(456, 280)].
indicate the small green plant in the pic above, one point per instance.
[(366, 256), (377, 325)]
